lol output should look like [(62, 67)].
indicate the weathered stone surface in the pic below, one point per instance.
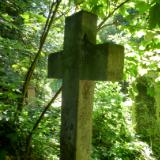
[(103, 62), (55, 67), (76, 102), (81, 62), (146, 113)]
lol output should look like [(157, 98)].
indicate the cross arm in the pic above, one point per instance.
[(98, 62), (103, 62), (55, 67), (111, 61)]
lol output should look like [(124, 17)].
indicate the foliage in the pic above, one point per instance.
[(146, 109), (134, 24), (111, 137)]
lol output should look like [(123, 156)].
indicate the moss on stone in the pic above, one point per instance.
[(146, 113)]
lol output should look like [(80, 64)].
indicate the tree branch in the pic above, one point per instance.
[(29, 137), (29, 74), (100, 26), (47, 21), (45, 109)]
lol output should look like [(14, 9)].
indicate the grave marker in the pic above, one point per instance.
[(80, 64)]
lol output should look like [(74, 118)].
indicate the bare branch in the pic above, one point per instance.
[(45, 109), (29, 137), (110, 14), (29, 74), (48, 18)]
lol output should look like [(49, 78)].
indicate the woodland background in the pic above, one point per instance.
[(126, 116)]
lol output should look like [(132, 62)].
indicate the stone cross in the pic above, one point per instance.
[(80, 64)]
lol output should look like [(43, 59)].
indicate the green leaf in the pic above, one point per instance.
[(2, 154), (78, 1), (25, 16), (154, 16), (142, 6)]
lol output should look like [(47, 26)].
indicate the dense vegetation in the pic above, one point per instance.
[(126, 114)]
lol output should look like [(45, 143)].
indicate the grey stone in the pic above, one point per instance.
[(80, 64)]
